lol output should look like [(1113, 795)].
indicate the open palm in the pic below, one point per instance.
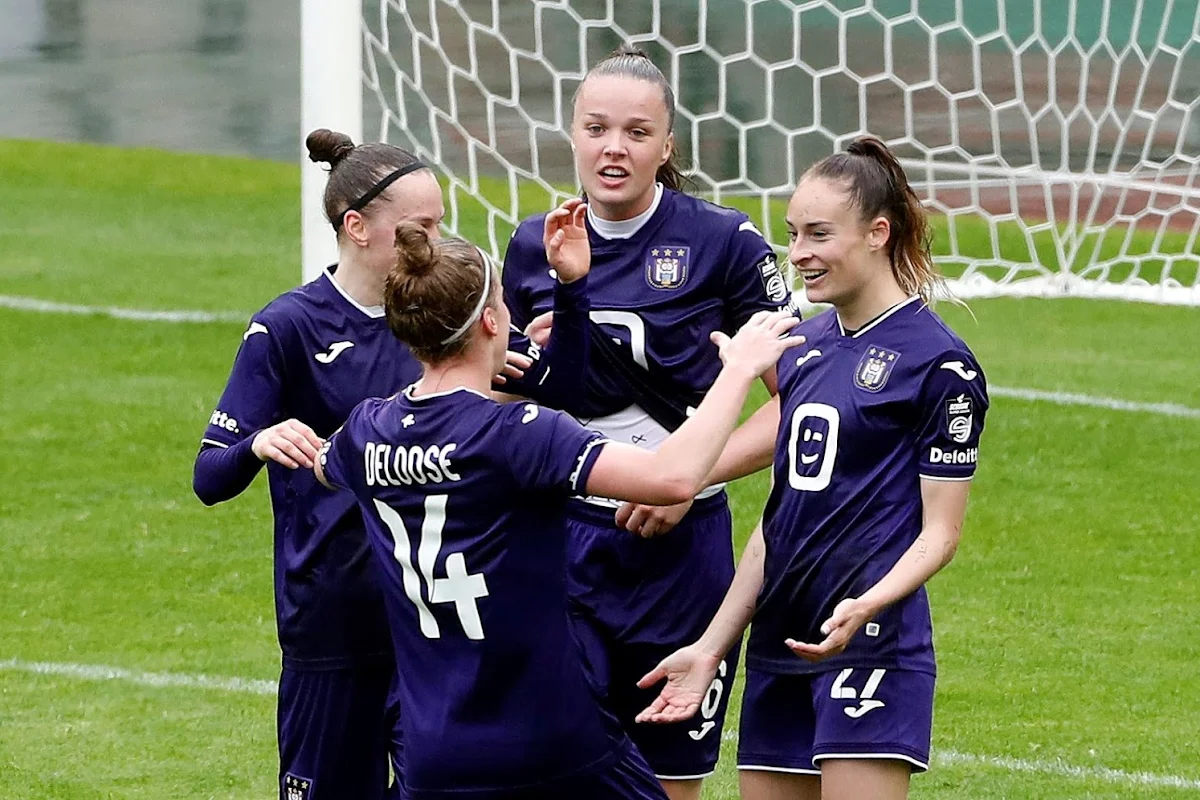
[(566, 240), (688, 672)]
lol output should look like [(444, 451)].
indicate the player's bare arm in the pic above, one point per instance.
[(945, 507), (689, 670)]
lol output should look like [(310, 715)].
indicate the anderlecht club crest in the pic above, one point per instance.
[(667, 266), (874, 368)]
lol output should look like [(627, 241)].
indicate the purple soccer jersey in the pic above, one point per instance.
[(865, 416), (692, 268), (313, 354), (464, 501)]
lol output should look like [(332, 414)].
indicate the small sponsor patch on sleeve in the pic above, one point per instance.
[(772, 278), (959, 418)]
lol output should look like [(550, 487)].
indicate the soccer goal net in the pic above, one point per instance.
[(1055, 142)]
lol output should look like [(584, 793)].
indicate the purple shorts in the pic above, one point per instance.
[(791, 722), (635, 601), (334, 732)]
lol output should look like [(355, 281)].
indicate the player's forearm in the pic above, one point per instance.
[(222, 474), (689, 454), (751, 447), (737, 608), (932, 550), (559, 370)]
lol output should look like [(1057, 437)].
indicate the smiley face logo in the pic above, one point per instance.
[(812, 446), (814, 438)]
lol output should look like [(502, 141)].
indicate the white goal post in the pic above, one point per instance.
[(1057, 142)]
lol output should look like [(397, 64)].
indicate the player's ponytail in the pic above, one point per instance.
[(878, 187), (628, 61), (357, 173), (436, 292)]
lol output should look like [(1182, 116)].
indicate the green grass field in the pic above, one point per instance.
[(1066, 627)]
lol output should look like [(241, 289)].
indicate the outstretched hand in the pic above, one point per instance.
[(848, 616), (760, 343), (688, 673), (565, 238)]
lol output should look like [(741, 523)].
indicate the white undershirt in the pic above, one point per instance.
[(624, 228)]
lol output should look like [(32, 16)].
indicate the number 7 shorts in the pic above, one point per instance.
[(791, 722)]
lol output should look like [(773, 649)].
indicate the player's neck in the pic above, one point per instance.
[(874, 299), (362, 283), (460, 373)]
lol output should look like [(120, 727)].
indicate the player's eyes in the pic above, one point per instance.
[(791, 236), (594, 130), (638, 133)]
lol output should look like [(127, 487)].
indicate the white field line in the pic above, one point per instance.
[(943, 756), (138, 315), (950, 758), (94, 672), (1095, 401), (1032, 395)]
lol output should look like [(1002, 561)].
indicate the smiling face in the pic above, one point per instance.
[(837, 254), (621, 136)]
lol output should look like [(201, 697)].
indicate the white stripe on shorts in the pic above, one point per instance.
[(701, 776), (789, 770), (855, 756)]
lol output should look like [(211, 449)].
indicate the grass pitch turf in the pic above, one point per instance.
[(1065, 626)]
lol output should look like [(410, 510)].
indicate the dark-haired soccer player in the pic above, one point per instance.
[(667, 268)]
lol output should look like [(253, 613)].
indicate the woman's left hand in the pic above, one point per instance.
[(848, 616)]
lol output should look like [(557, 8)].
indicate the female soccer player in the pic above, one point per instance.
[(464, 501), (882, 410), (305, 361), (666, 269)]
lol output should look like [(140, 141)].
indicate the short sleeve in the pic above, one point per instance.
[(954, 403), (253, 396), (548, 450), (341, 458), (755, 282)]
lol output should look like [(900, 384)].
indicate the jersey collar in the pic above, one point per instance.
[(373, 312), (408, 393), (875, 322)]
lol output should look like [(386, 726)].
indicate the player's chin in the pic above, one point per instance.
[(818, 293), (614, 196)]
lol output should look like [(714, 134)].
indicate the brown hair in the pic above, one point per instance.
[(355, 171), (878, 187), (632, 62), (434, 293)]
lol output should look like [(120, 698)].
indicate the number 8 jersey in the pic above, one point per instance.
[(865, 416), (463, 500)]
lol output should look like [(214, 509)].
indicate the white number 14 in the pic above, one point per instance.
[(458, 587)]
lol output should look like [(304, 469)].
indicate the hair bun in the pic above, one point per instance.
[(629, 50), (328, 147), (414, 249)]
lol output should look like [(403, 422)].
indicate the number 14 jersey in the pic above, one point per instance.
[(463, 500)]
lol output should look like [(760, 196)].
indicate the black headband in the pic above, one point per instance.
[(377, 189)]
